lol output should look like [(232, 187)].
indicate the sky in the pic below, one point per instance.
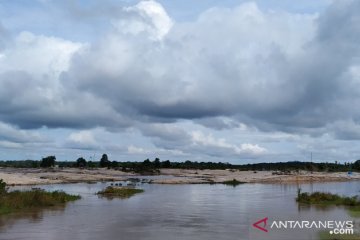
[(231, 81)]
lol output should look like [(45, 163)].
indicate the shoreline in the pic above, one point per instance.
[(37, 176)]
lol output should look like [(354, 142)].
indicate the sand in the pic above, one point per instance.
[(218, 176), (13, 176), (16, 176)]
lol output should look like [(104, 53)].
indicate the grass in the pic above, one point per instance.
[(121, 192), (25, 200), (327, 199), (233, 182), (319, 198), (327, 236), (354, 212)]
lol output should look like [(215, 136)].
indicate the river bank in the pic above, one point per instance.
[(27, 176)]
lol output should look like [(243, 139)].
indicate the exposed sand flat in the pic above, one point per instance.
[(218, 176), (15, 176)]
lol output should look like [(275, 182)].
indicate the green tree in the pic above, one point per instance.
[(81, 162), (157, 163), (356, 165), (166, 164), (146, 163), (104, 161), (48, 161)]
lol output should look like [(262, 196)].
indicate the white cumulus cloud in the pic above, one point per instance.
[(147, 17)]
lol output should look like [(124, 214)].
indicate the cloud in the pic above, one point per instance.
[(345, 130), (167, 132), (12, 137), (11, 134), (82, 140), (188, 86), (133, 150), (221, 123), (227, 62), (32, 93), (4, 37), (220, 147), (38, 55), (8, 144), (196, 140), (134, 77), (145, 17)]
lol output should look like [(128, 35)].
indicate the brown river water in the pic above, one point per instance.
[(177, 212)]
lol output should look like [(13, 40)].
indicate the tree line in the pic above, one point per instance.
[(148, 166)]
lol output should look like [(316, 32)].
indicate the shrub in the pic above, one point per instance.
[(327, 198), (48, 161), (23, 200), (121, 192), (3, 188)]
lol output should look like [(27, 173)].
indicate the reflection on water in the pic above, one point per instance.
[(183, 212), (31, 216), (306, 207)]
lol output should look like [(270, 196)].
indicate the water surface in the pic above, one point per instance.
[(166, 212)]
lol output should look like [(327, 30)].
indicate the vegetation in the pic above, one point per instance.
[(81, 162), (48, 162), (331, 199), (233, 182), (3, 188), (20, 164), (151, 167), (318, 198), (356, 165), (327, 199), (121, 192), (32, 199), (354, 212), (305, 166), (104, 161)]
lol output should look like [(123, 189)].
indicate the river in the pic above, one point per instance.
[(171, 212)]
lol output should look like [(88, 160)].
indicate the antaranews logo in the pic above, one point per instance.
[(261, 224), (334, 227)]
